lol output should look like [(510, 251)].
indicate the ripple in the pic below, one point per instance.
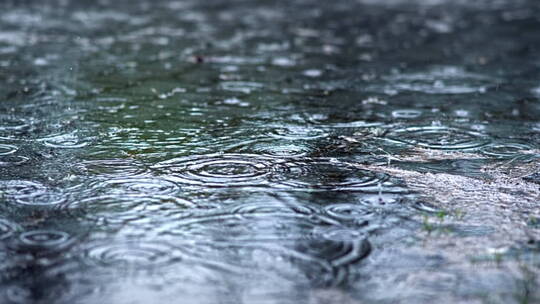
[(298, 133), (111, 167), (406, 113), (30, 193), (117, 210), (42, 241), (507, 150), (7, 228), (221, 170), (136, 186), (437, 80), (241, 86), (348, 212), (64, 141), (131, 254), (337, 252), (329, 175), (292, 238), (289, 149), (10, 123), (439, 137), (12, 160), (7, 149)]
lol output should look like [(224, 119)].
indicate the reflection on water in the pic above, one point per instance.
[(269, 152)]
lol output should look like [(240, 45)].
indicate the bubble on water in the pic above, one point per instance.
[(312, 73), (439, 137), (235, 102), (283, 62), (221, 170), (30, 193)]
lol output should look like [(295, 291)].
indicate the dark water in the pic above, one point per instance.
[(220, 151)]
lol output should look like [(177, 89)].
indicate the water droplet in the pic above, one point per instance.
[(439, 137)]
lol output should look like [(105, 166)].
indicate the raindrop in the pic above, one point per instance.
[(439, 137)]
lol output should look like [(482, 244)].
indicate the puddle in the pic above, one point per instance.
[(269, 152)]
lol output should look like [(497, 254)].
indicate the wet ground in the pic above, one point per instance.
[(269, 151)]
